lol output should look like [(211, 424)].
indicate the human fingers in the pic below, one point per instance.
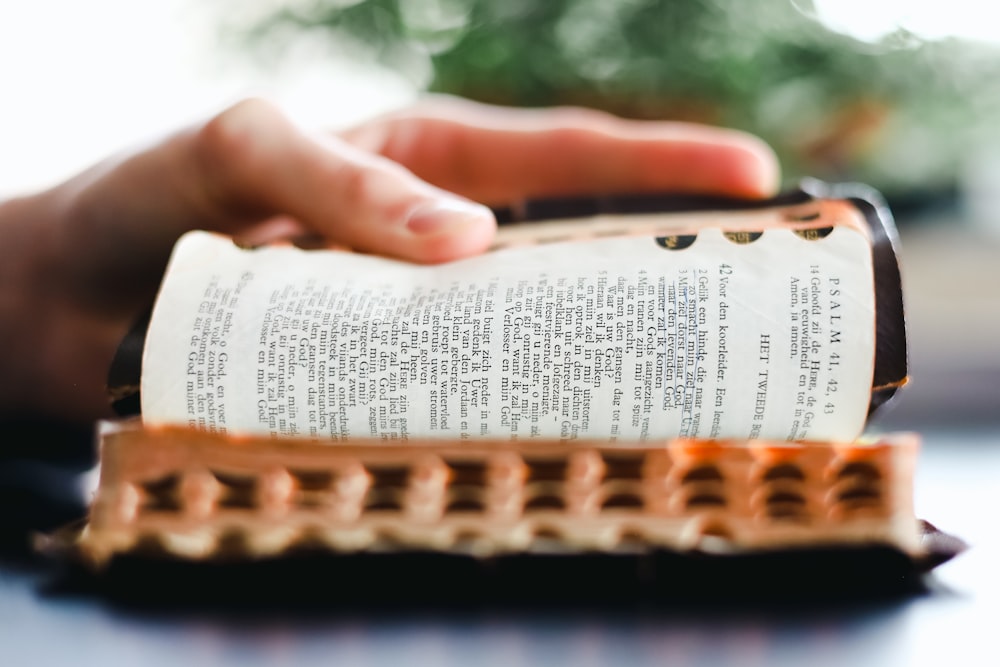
[(497, 155), (250, 164)]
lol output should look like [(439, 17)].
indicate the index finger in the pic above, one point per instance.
[(497, 155)]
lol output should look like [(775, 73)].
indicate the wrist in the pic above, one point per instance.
[(53, 352)]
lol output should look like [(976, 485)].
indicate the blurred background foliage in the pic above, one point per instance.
[(900, 112)]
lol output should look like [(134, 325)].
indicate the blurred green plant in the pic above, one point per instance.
[(901, 113)]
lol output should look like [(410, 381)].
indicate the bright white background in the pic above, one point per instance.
[(81, 79)]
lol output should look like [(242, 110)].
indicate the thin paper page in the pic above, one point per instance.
[(614, 339)]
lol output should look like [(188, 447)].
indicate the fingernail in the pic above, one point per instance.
[(439, 216), (767, 170)]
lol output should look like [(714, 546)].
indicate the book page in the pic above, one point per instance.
[(625, 339)]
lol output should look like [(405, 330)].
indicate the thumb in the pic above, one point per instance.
[(252, 156), (251, 164)]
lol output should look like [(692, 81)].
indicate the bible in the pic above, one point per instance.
[(649, 372)]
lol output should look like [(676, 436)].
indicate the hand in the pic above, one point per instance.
[(80, 262)]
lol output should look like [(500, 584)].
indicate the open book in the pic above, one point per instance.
[(780, 321), (639, 372)]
